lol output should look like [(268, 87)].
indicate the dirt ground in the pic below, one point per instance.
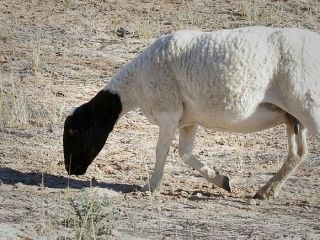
[(58, 54)]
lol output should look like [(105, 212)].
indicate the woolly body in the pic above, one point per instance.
[(239, 80), (225, 79)]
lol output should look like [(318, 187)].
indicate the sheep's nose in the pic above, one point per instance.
[(77, 170)]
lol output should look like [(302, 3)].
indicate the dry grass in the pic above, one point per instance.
[(90, 216)]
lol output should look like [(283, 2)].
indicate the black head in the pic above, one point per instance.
[(86, 130)]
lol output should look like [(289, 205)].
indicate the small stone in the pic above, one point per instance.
[(121, 32), (179, 227), (135, 193), (166, 23), (199, 195), (19, 185), (146, 193), (116, 234), (42, 188), (251, 201), (306, 8), (3, 59), (184, 194)]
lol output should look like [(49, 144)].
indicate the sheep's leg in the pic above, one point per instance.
[(186, 142), (297, 151), (166, 134)]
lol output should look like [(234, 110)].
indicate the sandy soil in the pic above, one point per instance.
[(55, 55)]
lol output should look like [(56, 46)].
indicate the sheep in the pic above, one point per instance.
[(235, 80)]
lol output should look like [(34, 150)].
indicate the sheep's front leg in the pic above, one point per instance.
[(186, 142), (297, 152), (166, 134)]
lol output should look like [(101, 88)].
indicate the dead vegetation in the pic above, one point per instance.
[(58, 54)]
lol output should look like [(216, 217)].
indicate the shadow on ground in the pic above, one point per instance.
[(11, 176)]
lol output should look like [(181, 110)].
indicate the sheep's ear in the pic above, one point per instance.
[(72, 110)]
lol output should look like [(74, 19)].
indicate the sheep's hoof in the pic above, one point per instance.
[(259, 196), (266, 192), (264, 196), (222, 182)]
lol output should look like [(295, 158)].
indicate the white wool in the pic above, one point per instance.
[(223, 79)]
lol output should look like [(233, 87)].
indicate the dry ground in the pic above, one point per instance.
[(58, 54)]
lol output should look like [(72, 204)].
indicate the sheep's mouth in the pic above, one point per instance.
[(78, 170)]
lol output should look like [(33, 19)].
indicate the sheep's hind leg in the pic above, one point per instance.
[(186, 142), (297, 152)]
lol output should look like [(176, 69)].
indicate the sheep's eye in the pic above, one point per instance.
[(73, 132)]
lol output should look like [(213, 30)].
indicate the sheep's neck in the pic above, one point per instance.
[(125, 85)]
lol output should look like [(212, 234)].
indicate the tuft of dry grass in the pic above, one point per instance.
[(91, 216)]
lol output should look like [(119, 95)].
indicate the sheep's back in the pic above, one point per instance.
[(226, 71)]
